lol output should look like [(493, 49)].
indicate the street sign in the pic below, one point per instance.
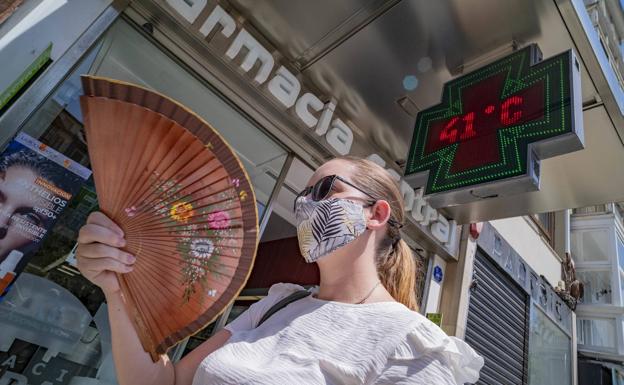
[(438, 274), (494, 125)]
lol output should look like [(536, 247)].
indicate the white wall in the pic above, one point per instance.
[(525, 238)]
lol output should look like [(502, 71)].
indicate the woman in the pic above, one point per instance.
[(21, 203), (359, 327)]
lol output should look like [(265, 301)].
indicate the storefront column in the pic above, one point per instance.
[(278, 186), (456, 289)]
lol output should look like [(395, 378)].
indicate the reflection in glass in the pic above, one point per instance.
[(549, 352), (591, 245), (597, 286), (597, 333)]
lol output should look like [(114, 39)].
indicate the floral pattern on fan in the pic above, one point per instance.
[(219, 220), (202, 248), (181, 211), (131, 211), (199, 244)]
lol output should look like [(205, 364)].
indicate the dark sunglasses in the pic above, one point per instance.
[(323, 187)]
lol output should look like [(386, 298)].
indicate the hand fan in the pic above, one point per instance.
[(183, 200)]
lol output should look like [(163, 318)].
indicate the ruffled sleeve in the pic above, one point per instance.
[(428, 356), (250, 317)]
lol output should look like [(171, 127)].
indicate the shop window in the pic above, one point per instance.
[(591, 245), (70, 333), (596, 333), (598, 288), (550, 351)]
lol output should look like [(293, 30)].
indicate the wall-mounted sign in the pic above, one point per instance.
[(493, 127), (438, 274), (283, 86)]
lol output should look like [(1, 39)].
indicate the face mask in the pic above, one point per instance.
[(327, 225)]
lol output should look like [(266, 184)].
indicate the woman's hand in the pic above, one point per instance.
[(99, 258), (98, 253)]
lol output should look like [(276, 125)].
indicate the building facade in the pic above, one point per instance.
[(598, 250), (608, 21), (278, 89), (502, 300), (597, 235)]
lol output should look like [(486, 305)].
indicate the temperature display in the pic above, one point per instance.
[(482, 130), (476, 131)]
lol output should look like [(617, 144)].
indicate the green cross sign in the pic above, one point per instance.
[(493, 127)]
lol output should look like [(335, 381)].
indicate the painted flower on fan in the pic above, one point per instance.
[(202, 248), (219, 220), (131, 211), (212, 293), (181, 211)]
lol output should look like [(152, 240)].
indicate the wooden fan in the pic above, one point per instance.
[(183, 200)]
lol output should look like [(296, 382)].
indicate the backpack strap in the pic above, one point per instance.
[(297, 295)]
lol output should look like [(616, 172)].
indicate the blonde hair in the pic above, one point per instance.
[(396, 265)]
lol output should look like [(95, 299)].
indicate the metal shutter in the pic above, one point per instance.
[(497, 325)]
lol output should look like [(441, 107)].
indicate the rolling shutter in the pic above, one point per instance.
[(497, 326)]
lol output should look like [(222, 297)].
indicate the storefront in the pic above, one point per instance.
[(515, 320), (228, 82)]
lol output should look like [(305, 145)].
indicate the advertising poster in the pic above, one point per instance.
[(36, 185)]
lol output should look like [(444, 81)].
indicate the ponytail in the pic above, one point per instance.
[(397, 272), (396, 265)]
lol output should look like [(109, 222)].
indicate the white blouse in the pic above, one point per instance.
[(313, 341)]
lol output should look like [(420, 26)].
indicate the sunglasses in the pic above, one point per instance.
[(323, 187)]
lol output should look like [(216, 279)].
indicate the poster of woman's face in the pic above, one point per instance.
[(18, 206), (36, 185)]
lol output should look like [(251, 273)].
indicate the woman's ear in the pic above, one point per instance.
[(379, 214)]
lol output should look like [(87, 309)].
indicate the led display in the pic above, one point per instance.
[(482, 130)]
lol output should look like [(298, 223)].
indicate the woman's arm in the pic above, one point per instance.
[(132, 364), (186, 368)]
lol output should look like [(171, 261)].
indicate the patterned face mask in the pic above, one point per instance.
[(327, 225)]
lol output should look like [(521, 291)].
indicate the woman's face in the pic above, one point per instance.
[(17, 206)]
